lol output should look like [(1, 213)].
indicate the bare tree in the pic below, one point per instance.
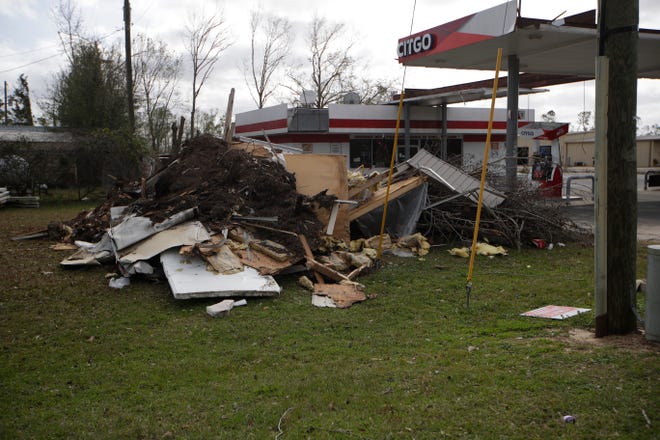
[(270, 40), (330, 60), (584, 120), (205, 38), (372, 91), (653, 129), (69, 25), (156, 71), (550, 116)]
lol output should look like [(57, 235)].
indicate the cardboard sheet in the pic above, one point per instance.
[(555, 312)]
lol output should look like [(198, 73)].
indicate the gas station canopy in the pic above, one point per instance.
[(565, 46)]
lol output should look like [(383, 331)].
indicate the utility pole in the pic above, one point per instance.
[(6, 118), (616, 242), (129, 65)]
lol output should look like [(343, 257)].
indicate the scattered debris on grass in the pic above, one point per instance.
[(221, 220), (555, 312), (223, 308)]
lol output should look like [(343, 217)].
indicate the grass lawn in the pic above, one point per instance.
[(82, 360)]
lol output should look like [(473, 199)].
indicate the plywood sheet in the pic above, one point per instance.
[(317, 172)]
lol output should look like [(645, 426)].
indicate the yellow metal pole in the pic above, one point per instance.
[(389, 177), (475, 236)]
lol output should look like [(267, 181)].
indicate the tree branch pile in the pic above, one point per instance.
[(524, 216)]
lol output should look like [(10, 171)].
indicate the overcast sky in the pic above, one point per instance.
[(29, 43)]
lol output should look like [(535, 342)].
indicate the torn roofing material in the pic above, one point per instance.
[(135, 229), (91, 254), (189, 277), (187, 233), (454, 178)]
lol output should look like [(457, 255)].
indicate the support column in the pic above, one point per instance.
[(443, 141), (406, 138), (513, 82)]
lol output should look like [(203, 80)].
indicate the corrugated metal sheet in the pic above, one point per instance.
[(454, 178)]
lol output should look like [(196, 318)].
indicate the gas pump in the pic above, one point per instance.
[(546, 168), (547, 171)]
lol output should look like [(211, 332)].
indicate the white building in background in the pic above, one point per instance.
[(365, 133)]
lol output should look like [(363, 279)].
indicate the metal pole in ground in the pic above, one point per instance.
[(484, 168)]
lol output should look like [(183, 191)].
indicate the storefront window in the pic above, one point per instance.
[(523, 155), (377, 151)]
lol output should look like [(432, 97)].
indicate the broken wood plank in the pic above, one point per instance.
[(267, 228), (228, 132), (32, 235), (356, 272), (371, 181), (64, 247), (249, 218), (310, 256), (272, 249), (325, 270), (397, 190), (237, 234)]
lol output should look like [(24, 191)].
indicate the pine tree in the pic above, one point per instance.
[(91, 94), (21, 109)]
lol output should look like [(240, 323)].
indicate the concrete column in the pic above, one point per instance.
[(443, 144), (512, 121), (406, 117)]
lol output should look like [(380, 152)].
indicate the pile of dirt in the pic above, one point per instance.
[(221, 183)]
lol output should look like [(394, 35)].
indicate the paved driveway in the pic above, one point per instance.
[(648, 210)]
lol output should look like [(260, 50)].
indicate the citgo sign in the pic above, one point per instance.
[(415, 45)]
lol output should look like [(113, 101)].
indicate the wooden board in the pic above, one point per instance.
[(317, 172), (378, 199), (342, 295), (262, 263)]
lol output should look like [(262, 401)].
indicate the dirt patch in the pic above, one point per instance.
[(634, 341)]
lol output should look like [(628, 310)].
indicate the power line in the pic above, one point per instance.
[(31, 63), (143, 12), (29, 51), (54, 55)]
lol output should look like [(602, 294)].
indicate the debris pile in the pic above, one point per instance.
[(223, 185), (220, 222)]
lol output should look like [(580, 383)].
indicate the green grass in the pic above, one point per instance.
[(81, 360)]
